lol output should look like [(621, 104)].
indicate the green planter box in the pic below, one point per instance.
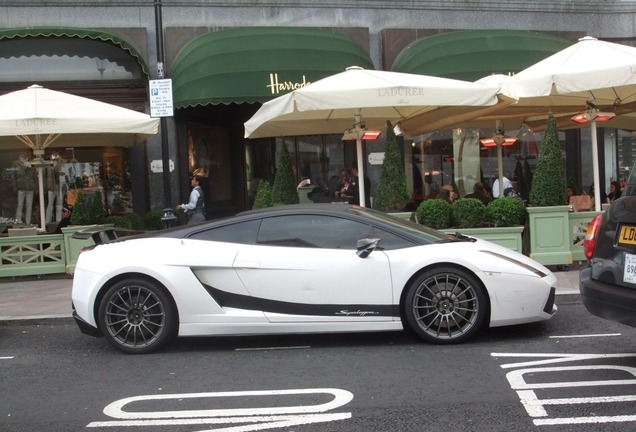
[(510, 237), (550, 237)]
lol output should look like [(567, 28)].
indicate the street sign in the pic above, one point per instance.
[(161, 98)]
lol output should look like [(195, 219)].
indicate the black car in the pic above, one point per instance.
[(608, 282)]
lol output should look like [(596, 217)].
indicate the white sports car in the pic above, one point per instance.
[(304, 269)]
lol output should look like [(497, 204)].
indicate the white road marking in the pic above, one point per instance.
[(268, 421), (585, 420), (6, 358), (585, 336), (250, 419), (556, 358), (535, 407)]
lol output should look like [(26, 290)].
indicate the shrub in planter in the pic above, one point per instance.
[(548, 180), (506, 212), (129, 221), (468, 213), (263, 195), (392, 192), (284, 188), (435, 213), (152, 220), (81, 214), (96, 209)]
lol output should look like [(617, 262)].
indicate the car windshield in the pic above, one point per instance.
[(426, 233)]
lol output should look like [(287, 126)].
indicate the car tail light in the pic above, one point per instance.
[(591, 235)]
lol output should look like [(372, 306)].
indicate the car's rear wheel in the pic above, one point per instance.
[(445, 305), (137, 316)]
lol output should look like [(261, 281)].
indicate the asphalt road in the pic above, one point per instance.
[(55, 379)]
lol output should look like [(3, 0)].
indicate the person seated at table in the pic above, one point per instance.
[(345, 189), (64, 222), (480, 192)]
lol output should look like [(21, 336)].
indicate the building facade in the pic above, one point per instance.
[(226, 58)]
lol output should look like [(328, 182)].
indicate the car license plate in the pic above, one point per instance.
[(627, 235), (629, 275)]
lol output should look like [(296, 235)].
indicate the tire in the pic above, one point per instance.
[(137, 316), (445, 305)]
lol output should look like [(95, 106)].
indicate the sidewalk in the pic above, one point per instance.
[(31, 298)]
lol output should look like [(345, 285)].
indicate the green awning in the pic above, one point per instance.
[(474, 54), (75, 33), (256, 64)]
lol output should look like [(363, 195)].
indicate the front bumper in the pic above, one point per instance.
[(608, 301)]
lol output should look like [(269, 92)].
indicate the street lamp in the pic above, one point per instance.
[(593, 115)]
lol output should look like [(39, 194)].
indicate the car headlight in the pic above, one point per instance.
[(519, 263)]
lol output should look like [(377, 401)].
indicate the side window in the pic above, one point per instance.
[(390, 241), (312, 231), (243, 232)]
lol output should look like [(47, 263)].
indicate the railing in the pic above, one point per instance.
[(42, 254), (32, 255)]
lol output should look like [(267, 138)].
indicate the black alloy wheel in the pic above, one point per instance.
[(137, 316), (445, 305)]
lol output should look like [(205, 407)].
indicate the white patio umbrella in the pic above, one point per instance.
[(591, 72), (39, 118), (350, 101)]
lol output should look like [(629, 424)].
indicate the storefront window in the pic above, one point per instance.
[(457, 157), (69, 171), (317, 158), (626, 154)]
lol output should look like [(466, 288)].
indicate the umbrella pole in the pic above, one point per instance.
[(595, 167), (41, 192), (500, 169), (360, 170)]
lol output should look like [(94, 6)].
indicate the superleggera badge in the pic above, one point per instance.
[(356, 313)]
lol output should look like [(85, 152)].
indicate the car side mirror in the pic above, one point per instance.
[(365, 246)]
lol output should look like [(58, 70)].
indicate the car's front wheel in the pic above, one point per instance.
[(137, 316), (445, 305)]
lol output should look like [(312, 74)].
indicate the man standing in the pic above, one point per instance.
[(195, 207)]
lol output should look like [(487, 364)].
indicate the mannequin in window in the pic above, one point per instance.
[(25, 184), (55, 186)]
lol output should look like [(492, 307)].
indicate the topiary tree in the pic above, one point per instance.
[(468, 213), (435, 213), (81, 214), (284, 188), (548, 181), (263, 195), (505, 212), (392, 192), (96, 211)]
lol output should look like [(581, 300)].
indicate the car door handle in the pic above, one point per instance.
[(246, 264)]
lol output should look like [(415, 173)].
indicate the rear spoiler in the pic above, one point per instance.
[(101, 235)]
